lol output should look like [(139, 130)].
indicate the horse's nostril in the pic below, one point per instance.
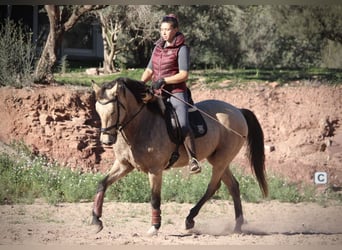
[(108, 139)]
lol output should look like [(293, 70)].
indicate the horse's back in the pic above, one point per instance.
[(230, 116)]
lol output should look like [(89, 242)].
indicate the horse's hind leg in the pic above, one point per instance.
[(234, 190), (116, 172), (213, 186)]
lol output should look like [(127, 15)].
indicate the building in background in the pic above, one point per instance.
[(82, 42)]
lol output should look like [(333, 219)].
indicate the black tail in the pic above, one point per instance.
[(256, 149)]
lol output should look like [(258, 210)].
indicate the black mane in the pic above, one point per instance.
[(138, 89)]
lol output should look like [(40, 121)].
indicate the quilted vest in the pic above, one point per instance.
[(165, 62)]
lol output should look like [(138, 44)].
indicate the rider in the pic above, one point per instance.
[(168, 69)]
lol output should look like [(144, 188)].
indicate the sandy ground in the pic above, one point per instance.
[(268, 223)]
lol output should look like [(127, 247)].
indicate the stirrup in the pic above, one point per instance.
[(194, 166)]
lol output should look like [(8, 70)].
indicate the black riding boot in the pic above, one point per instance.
[(189, 144)]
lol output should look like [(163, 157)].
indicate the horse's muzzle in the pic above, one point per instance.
[(108, 139)]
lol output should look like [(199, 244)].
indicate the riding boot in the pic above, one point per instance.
[(189, 144)]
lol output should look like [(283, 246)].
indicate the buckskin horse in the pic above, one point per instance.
[(140, 141)]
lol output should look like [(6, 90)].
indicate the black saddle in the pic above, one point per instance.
[(197, 123), (196, 120)]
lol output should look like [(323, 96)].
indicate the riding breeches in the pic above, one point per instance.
[(181, 109)]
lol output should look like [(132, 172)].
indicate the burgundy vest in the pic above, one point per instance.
[(165, 62)]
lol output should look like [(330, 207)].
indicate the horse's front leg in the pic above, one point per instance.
[(155, 183), (115, 173)]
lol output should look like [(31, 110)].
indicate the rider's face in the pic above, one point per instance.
[(167, 32)]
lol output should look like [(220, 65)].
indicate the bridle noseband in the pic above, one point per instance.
[(117, 126)]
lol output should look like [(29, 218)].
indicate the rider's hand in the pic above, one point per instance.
[(158, 84)]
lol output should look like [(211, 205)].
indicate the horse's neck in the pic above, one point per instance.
[(142, 126)]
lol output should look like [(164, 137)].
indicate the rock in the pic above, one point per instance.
[(269, 148), (92, 71)]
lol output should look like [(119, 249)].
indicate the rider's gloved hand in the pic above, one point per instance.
[(158, 84)]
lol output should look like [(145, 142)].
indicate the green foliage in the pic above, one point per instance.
[(211, 78), (35, 177), (82, 79), (182, 189), (25, 177), (133, 188), (64, 65), (261, 36), (16, 55)]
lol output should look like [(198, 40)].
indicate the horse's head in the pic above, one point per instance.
[(110, 109), (113, 102)]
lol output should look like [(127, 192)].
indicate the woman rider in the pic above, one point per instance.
[(168, 69)]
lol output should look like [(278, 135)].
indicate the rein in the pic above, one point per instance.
[(203, 112)]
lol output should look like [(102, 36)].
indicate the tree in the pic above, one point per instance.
[(209, 33), (124, 29), (309, 35), (62, 19)]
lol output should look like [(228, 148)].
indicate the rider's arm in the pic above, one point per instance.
[(147, 75)]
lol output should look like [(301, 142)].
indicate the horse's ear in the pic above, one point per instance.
[(114, 90), (96, 88)]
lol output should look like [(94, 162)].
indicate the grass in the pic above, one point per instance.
[(24, 181), (212, 78), (25, 178), (82, 79)]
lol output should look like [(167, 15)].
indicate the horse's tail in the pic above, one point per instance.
[(255, 149)]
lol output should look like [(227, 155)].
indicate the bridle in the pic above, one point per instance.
[(117, 125)]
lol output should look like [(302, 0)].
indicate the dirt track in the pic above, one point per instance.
[(268, 223)]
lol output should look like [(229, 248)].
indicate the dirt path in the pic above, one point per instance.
[(268, 223)]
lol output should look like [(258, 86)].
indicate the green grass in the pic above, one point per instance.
[(25, 178), (82, 79), (211, 78), (238, 77)]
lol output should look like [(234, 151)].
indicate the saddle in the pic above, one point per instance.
[(196, 121)]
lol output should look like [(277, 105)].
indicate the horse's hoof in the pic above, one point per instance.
[(98, 223), (239, 222), (152, 231), (189, 224), (237, 230)]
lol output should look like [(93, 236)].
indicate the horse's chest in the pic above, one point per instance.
[(139, 156)]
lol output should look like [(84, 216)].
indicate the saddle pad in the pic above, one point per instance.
[(196, 120), (197, 123)]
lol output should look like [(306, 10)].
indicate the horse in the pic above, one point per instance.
[(131, 123)]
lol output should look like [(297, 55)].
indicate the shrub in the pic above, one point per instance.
[(16, 55)]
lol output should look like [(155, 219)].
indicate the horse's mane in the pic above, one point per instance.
[(138, 88)]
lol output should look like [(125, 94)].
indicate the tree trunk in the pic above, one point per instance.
[(110, 37), (43, 71), (61, 20), (108, 53)]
